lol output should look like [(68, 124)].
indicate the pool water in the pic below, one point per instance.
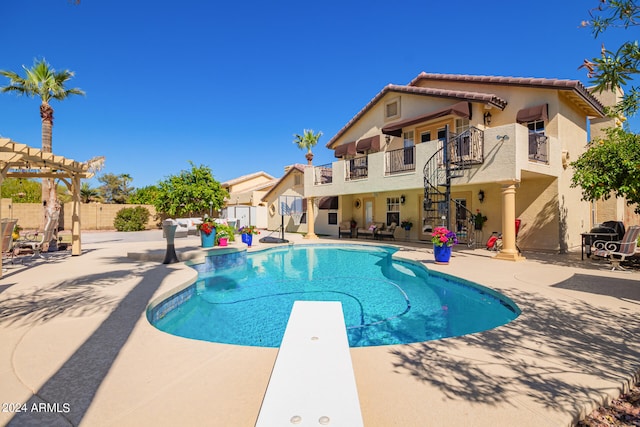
[(385, 301)]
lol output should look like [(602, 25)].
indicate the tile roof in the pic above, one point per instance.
[(246, 178), (577, 92)]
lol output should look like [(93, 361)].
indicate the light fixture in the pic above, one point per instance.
[(487, 118), (481, 196), (387, 139), (402, 199)]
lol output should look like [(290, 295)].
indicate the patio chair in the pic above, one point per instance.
[(37, 240), (618, 252), (6, 234), (370, 230), (389, 232), (344, 229)]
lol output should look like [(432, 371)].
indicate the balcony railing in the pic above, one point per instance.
[(467, 147), (356, 168), (402, 160), (323, 174), (538, 148)]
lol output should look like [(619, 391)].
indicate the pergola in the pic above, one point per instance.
[(21, 161)]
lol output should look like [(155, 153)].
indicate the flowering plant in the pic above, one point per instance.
[(443, 237), (406, 224), (249, 229), (207, 226)]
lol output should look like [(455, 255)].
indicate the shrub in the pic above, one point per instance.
[(131, 219)]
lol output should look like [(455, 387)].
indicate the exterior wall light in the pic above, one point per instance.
[(402, 199), (487, 118), (481, 196)]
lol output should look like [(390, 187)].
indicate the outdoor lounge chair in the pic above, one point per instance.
[(37, 240), (389, 232), (618, 252), (6, 234)]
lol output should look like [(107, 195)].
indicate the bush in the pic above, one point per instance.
[(131, 219)]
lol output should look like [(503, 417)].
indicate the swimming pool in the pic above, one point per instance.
[(385, 300)]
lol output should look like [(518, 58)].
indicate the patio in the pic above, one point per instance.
[(74, 335)]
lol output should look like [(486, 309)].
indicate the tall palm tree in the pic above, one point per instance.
[(46, 83), (307, 141)]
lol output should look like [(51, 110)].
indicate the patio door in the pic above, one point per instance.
[(368, 211)]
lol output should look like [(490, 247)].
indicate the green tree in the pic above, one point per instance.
[(190, 193), (89, 194), (22, 190), (610, 167), (144, 195), (115, 188), (307, 141), (43, 82), (615, 69)]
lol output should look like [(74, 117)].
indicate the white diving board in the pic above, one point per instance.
[(312, 382)]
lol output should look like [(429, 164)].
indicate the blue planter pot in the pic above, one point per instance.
[(247, 238), (208, 240), (442, 254)]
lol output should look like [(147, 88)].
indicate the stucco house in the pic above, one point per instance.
[(245, 198), (291, 184), (444, 146)]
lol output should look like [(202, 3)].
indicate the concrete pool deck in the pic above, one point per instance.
[(76, 348)]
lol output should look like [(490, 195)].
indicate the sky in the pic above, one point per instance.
[(228, 84)]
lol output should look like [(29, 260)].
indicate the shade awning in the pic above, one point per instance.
[(461, 109), (328, 203), (345, 149), (371, 144), (531, 114)]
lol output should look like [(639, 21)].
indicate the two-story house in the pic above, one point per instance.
[(443, 147)]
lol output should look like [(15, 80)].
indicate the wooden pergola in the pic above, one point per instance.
[(21, 161)]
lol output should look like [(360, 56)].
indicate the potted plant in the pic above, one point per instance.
[(247, 233), (443, 239), (478, 220), (222, 238), (207, 232), (406, 224)]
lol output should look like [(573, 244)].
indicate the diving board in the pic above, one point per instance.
[(312, 382)]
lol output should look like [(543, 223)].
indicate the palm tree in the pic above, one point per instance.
[(46, 83), (306, 141), (89, 194)]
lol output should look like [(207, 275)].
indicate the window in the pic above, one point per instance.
[(392, 109), (333, 218), (297, 180), (425, 136), (393, 210), (408, 147), (462, 125), (538, 147)]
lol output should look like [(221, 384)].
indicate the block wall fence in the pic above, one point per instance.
[(93, 216)]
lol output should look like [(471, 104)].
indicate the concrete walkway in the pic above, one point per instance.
[(76, 348)]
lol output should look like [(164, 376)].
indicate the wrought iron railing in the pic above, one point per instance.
[(357, 168), (467, 147), (402, 160), (538, 147), (323, 174)]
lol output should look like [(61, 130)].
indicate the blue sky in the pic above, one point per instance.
[(227, 84)]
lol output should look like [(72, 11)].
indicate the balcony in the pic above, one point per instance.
[(503, 153), (357, 168), (400, 161), (323, 174)]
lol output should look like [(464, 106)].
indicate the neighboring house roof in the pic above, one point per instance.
[(247, 177), (297, 167), (576, 91)]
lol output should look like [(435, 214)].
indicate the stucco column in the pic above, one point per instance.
[(310, 219), (76, 245), (509, 252)]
